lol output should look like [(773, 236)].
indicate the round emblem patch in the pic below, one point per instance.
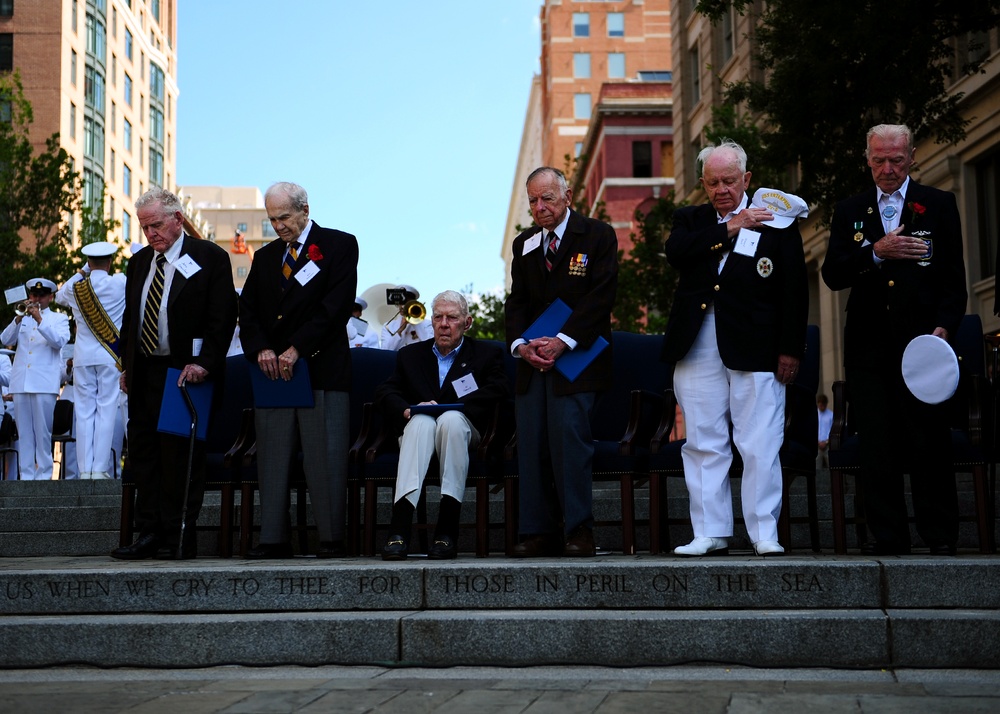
[(764, 267)]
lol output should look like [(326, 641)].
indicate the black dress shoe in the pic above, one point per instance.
[(331, 549), (580, 544), (395, 548), (874, 548), (270, 551), (144, 547), (443, 548), (942, 549), (539, 546)]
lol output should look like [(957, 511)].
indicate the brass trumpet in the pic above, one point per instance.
[(21, 309), (414, 311)]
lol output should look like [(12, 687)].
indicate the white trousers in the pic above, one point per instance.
[(711, 397), (33, 414), (451, 435), (96, 415)]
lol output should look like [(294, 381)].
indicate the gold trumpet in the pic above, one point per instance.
[(21, 309), (414, 311)]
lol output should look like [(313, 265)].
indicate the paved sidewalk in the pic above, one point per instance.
[(532, 690)]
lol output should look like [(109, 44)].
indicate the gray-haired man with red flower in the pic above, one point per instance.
[(297, 298), (899, 249)]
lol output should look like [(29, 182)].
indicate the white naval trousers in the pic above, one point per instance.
[(711, 396), (96, 413), (33, 414), (451, 435)]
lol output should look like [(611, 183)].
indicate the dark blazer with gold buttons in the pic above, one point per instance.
[(312, 317), (761, 301), (893, 302)]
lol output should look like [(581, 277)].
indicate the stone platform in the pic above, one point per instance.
[(796, 611)]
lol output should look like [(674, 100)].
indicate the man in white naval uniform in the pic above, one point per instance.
[(398, 332), (97, 299), (8, 460), (34, 381), (354, 326)]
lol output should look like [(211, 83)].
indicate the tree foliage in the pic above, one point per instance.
[(487, 315), (833, 70), (37, 193)]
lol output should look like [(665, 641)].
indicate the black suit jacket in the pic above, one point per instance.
[(200, 307), (589, 290), (761, 301), (310, 317), (415, 380), (893, 302)]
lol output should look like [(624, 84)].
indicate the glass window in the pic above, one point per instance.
[(114, 22), (241, 227), (97, 40), (155, 167), (154, 9), (642, 159), (266, 230), (728, 44), (72, 120), (126, 225), (128, 43), (93, 88), (241, 271), (156, 81), (577, 149), (694, 69), (73, 15), (114, 70), (128, 89), (616, 24), (111, 173), (581, 106), (6, 8), (155, 124), (114, 118), (646, 75), (581, 24), (126, 180), (127, 134), (72, 67), (142, 152), (616, 65), (7, 52), (581, 65), (93, 140), (987, 199)]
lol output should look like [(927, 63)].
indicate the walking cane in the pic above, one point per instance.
[(187, 481)]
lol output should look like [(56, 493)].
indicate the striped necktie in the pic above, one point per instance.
[(289, 265), (151, 314), (550, 252)]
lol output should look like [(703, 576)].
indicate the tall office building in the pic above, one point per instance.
[(103, 74)]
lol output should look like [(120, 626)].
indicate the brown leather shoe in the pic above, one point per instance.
[(580, 543), (539, 546)]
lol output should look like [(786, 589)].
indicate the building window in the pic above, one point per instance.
[(126, 180), (154, 9), (114, 70), (581, 106), (93, 140), (987, 201), (126, 226), (155, 124), (663, 75), (127, 134), (142, 65), (581, 65), (616, 65), (241, 228), (7, 52), (128, 43), (581, 24), (73, 16), (72, 67), (241, 271), (694, 70), (97, 39), (155, 167), (616, 24), (93, 88), (156, 82), (72, 120), (577, 149), (142, 152), (267, 230), (114, 118), (642, 159), (128, 89), (111, 170), (114, 23), (728, 36), (6, 8)]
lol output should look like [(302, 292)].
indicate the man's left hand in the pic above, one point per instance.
[(192, 373), (788, 368), (286, 361)]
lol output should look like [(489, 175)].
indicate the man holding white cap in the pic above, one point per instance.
[(97, 298), (34, 381), (735, 336), (359, 332), (398, 332), (899, 250)]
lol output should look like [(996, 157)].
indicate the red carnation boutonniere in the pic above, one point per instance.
[(315, 253), (918, 209)]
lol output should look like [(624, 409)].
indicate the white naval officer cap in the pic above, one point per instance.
[(361, 302), (930, 369), (410, 289), (786, 207), (100, 249), (40, 285)]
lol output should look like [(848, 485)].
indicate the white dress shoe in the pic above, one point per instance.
[(704, 546), (768, 547)]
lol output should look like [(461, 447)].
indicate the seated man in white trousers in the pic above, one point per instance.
[(454, 370)]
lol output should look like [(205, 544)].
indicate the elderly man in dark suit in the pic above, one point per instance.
[(735, 336), (296, 300), (180, 312), (899, 249), (451, 369), (575, 258)]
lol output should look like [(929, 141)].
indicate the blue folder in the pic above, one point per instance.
[(175, 418), (435, 410), (279, 394), (572, 362)]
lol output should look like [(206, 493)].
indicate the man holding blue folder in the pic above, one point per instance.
[(572, 258)]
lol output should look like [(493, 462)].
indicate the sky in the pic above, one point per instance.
[(401, 119)]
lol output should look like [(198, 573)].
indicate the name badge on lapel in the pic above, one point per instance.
[(578, 265), (532, 243), (746, 242), (186, 266), (464, 385), (307, 273)]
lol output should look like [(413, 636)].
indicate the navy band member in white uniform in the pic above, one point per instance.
[(39, 335), (97, 298), (354, 326)]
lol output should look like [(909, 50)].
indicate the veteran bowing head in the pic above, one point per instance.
[(725, 178), (450, 317), (161, 218), (549, 197), (890, 155), (287, 206)]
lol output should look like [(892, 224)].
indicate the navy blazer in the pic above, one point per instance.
[(200, 307), (415, 380), (893, 302), (585, 276), (761, 301), (311, 317)]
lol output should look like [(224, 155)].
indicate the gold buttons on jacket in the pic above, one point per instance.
[(703, 306), (891, 283), (280, 316), (717, 288)]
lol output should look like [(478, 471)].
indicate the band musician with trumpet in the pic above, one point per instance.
[(411, 324), (39, 334)]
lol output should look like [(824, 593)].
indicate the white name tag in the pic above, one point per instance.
[(532, 243), (465, 385), (746, 242), (307, 273), (186, 266)]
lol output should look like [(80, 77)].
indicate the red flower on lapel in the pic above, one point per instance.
[(315, 253), (918, 209)]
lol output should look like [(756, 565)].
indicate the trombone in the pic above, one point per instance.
[(413, 312)]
